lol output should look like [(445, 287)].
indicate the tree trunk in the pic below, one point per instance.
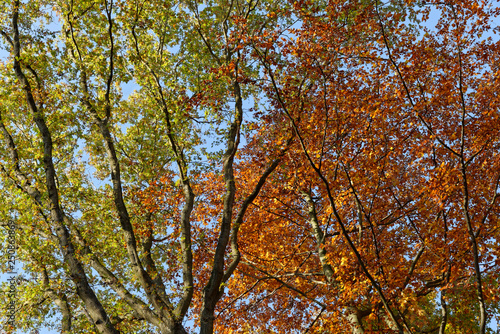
[(355, 321)]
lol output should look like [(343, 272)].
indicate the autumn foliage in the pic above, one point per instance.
[(382, 213), (281, 167)]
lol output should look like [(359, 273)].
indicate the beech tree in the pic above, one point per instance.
[(281, 166), (385, 205), (77, 158)]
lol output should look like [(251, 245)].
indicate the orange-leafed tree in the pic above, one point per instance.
[(383, 216)]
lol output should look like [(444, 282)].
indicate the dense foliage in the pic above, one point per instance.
[(280, 166)]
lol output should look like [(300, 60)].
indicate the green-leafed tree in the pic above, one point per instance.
[(98, 252)]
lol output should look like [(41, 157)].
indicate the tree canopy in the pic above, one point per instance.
[(280, 166)]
